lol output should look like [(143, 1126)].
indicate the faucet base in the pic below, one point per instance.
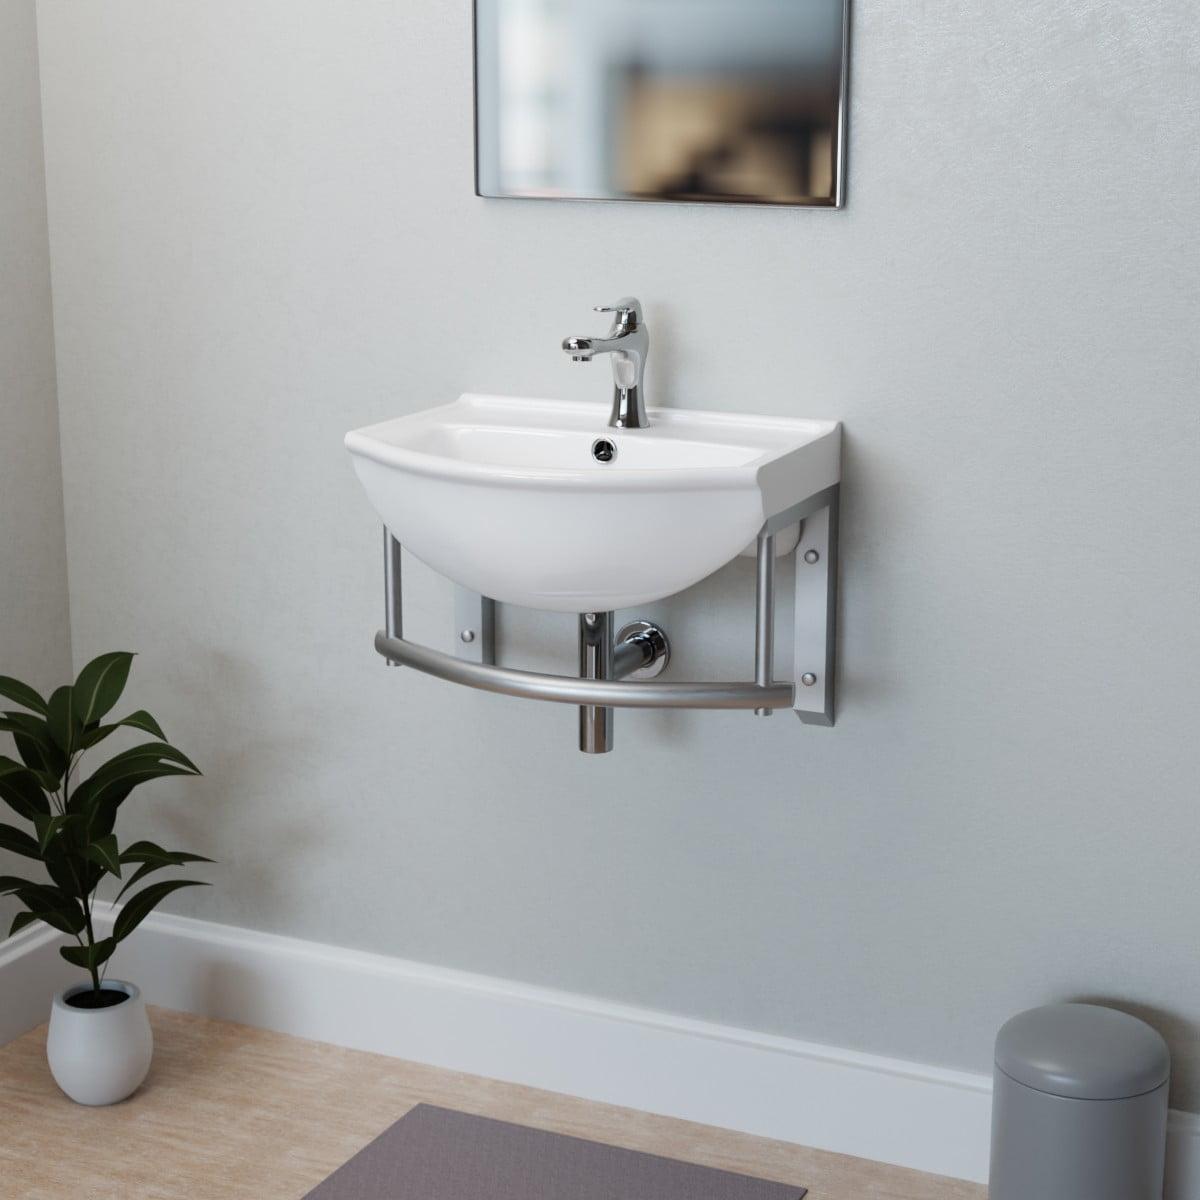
[(629, 409)]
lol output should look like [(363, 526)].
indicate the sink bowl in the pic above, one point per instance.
[(505, 497)]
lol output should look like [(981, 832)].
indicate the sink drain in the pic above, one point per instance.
[(603, 450)]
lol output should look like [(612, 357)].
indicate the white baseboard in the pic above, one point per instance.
[(31, 971), (892, 1111), (1183, 1156)]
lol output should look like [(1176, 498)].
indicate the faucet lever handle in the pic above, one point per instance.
[(625, 308)]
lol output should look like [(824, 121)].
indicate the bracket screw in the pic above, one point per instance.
[(809, 679), (812, 557), (467, 636)]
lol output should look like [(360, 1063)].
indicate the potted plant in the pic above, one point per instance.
[(99, 1045)]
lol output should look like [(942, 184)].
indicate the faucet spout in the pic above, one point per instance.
[(583, 349), (628, 341)]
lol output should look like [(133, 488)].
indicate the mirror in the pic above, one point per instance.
[(718, 101)]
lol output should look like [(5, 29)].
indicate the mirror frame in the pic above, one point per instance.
[(838, 199)]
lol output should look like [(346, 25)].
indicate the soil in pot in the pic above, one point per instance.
[(104, 998)]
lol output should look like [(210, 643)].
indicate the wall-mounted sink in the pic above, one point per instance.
[(540, 503)]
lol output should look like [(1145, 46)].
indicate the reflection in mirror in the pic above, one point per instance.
[(727, 101)]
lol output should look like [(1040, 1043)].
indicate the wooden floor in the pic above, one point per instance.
[(233, 1112)]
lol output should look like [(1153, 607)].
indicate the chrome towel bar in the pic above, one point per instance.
[(564, 689)]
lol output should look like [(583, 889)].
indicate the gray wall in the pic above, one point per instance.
[(33, 574), (264, 234)]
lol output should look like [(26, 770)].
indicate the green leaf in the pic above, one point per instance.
[(46, 903), (56, 910), (152, 751), (100, 810), (138, 907), (58, 918), (103, 793), (12, 885), (144, 721), (71, 874), (148, 852), (27, 723), (90, 957), (104, 853), (153, 858), (100, 685), (47, 826), (20, 790), (22, 694), (139, 720), (64, 724), (20, 921), (37, 748), (18, 842), (99, 815), (138, 875), (146, 761)]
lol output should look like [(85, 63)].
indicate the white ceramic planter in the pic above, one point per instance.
[(99, 1055)]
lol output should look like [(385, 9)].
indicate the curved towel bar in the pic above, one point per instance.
[(564, 689)]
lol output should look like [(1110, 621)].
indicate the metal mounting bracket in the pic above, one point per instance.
[(474, 627), (814, 653), (810, 693)]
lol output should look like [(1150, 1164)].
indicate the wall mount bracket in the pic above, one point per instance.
[(810, 692)]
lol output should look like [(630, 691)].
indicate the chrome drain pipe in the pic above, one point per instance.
[(641, 649), (596, 657)]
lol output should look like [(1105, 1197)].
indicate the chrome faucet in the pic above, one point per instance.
[(628, 342)]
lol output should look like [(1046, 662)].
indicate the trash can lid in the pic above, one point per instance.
[(1083, 1051)]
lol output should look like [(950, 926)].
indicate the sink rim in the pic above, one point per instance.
[(585, 417)]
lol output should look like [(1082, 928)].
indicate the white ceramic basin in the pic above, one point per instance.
[(504, 496)]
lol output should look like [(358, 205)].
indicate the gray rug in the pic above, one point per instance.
[(436, 1154)]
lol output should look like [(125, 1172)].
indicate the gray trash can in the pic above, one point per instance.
[(1079, 1110)]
